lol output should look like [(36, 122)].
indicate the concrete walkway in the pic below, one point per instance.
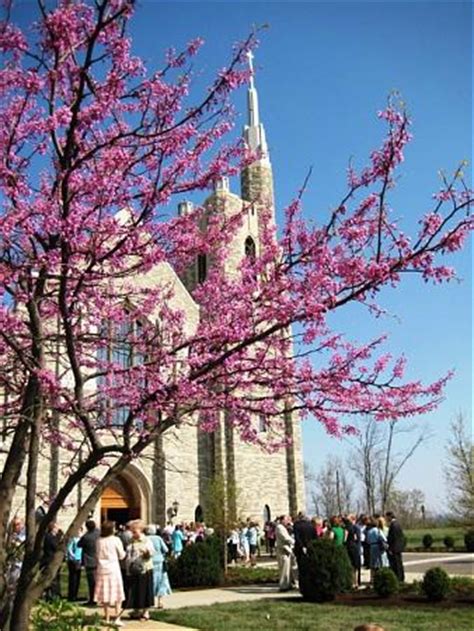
[(201, 597), (151, 625)]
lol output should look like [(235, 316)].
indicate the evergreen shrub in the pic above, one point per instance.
[(436, 584), (427, 541), (385, 582), (199, 565), (324, 571), (448, 542), (469, 540)]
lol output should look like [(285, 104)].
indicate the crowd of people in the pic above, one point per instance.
[(371, 542), (126, 566)]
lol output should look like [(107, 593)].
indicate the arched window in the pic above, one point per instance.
[(267, 515), (250, 249), (202, 268), (198, 514)]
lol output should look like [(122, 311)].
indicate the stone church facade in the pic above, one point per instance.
[(171, 480)]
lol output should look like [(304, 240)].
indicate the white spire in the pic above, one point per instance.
[(254, 132)]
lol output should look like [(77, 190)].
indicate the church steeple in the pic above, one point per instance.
[(254, 131), (256, 180)]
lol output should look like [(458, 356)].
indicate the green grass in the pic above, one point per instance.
[(278, 615), (415, 536), (240, 575)]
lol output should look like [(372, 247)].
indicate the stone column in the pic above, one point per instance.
[(159, 482)]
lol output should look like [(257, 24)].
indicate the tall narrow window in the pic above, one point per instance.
[(262, 423), (202, 268), (250, 249), (119, 350)]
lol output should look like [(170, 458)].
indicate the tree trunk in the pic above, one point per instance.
[(21, 612)]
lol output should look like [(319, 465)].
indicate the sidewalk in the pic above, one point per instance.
[(245, 593)]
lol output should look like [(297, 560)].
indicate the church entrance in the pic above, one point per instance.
[(120, 501)]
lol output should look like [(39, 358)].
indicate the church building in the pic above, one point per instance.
[(171, 480)]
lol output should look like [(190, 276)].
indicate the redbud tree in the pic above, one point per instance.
[(93, 148)]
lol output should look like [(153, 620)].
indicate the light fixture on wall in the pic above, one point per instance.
[(175, 507)]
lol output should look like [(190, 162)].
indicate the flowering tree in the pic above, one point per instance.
[(93, 148)]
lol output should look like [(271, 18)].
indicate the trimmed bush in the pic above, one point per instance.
[(469, 540), (449, 542), (385, 582), (427, 541), (324, 571), (435, 584), (199, 565)]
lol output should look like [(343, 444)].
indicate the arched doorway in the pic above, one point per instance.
[(120, 502), (198, 514), (267, 515)]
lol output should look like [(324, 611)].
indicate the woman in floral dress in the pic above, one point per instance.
[(109, 585)]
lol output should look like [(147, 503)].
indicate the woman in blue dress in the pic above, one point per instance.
[(377, 542), (161, 583)]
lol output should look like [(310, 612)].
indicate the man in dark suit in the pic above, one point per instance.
[(303, 533), (89, 556), (396, 545)]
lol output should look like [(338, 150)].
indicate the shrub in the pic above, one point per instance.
[(61, 615), (324, 571), (469, 540), (462, 586), (199, 565), (436, 584), (385, 582), (448, 542), (427, 541)]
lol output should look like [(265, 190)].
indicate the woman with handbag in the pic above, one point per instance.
[(161, 583), (108, 580), (139, 564)]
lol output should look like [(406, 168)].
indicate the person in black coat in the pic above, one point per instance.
[(89, 556), (396, 545), (303, 533), (354, 548), (50, 547)]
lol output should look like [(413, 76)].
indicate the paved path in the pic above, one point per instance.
[(151, 625), (455, 564), (416, 563), (200, 597)]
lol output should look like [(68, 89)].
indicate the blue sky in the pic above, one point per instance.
[(324, 69)]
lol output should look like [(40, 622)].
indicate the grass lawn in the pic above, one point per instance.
[(276, 615), (415, 536)]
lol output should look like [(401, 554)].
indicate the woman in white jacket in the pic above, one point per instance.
[(285, 556)]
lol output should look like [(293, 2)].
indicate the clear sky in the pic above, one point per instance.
[(324, 69)]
